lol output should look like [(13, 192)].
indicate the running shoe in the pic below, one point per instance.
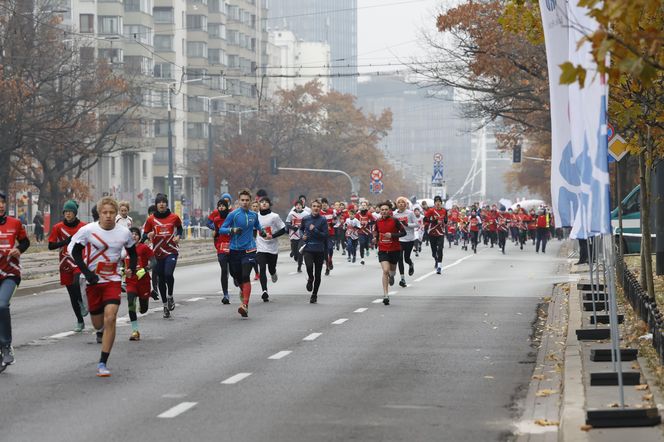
[(327, 271), (402, 283), (171, 303), (79, 327), (331, 265), (348, 259), (154, 295), (99, 336), (135, 336), (386, 300), (313, 299), (411, 270), (102, 371), (362, 262), (7, 355), (257, 276), (310, 285), (299, 269), (275, 277), (167, 312), (391, 279), (353, 260), (439, 270), (265, 297), (243, 310), (225, 299)]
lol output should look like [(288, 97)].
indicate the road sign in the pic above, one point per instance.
[(376, 175), (610, 131), (438, 157), (376, 187), (617, 147), (437, 176)]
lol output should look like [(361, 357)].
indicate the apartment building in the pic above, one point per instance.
[(197, 49)]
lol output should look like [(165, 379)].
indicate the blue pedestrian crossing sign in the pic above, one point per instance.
[(437, 177), (376, 187)]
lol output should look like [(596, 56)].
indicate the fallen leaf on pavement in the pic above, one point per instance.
[(545, 392), (614, 405), (538, 377), (586, 427), (546, 422), (641, 387), (647, 397)]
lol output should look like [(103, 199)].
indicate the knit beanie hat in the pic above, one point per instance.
[(227, 196), (161, 198), (71, 206)]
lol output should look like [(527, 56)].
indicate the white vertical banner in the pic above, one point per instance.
[(565, 180), (587, 111)]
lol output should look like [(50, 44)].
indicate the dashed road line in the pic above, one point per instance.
[(311, 337), (458, 261), (361, 310), (177, 410), (377, 301), (235, 379), (340, 321), (281, 354), (62, 335), (194, 299)]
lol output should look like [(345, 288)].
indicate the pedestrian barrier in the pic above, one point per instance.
[(644, 306)]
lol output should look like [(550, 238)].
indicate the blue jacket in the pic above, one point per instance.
[(316, 238), (248, 222)]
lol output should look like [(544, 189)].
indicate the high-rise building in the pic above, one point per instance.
[(331, 22)]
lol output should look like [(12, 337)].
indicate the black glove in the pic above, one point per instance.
[(263, 234), (91, 278)]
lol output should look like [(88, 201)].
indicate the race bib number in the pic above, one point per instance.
[(164, 230), (106, 268), (384, 239), (5, 243), (296, 222), (225, 247), (268, 230)]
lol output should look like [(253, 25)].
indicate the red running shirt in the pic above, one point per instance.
[(388, 225), (435, 219), (59, 233), (11, 232), (222, 243), (165, 229)]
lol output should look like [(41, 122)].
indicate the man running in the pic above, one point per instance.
[(241, 224), (386, 235), (60, 237), (164, 229), (435, 220), (330, 216), (103, 242), (13, 243), (315, 233), (406, 217), (293, 221), (221, 243), (267, 246), (138, 283)]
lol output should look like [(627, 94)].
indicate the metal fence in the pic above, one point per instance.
[(644, 306)]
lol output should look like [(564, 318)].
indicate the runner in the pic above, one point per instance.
[(364, 237), (164, 229), (221, 243), (104, 242), (435, 219), (406, 217), (241, 224), (330, 216), (138, 283), (267, 246), (60, 237), (475, 224), (542, 233), (503, 230), (419, 230), (352, 226), (386, 235), (123, 218), (13, 243), (315, 233), (255, 208), (153, 261), (293, 221)]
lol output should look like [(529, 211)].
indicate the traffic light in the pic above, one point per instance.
[(516, 154), (274, 166)]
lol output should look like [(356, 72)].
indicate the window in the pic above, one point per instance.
[(139, 33), (197, 130), (217, 30), (161, 155), (109, 24), (216, 6), (216, 56), (144, 168), (218, 82), (163, 42), (233, 61), (197, 104), (87, 23), (163, 70), (232, 36), (113, 55), (138, 65), (197, 23), (160, 128), (195, 73), (197, 49), (87, 54), (138, 6), (163, 15)]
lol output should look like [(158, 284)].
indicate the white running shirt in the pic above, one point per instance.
[(271, 223)]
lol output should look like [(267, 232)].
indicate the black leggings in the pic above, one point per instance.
[(75, 297), (365, 241), (404, 255), (164, 271), (223, 263), (295, 250), (314, 262), (131, 305), (268, 260), (437, 243)]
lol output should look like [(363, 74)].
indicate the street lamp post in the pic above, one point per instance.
[(210, 170)]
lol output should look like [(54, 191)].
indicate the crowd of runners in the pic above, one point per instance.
[(111, 256)]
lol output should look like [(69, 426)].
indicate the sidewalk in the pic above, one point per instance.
[(560, 392)]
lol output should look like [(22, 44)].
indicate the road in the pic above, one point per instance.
[(449, 359)]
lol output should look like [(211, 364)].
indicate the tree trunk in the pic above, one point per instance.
[(5, 176), (646, 252)]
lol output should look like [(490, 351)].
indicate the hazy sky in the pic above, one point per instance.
[(389, 30)]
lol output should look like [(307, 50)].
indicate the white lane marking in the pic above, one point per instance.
[(281, 354), (220, 292), (194, 299), (393, 292), (237, 378), (361, 310), (62, 335), (177, 410), (340, 321), (458, 261), (311, 337), (377, 301), (293, 273)]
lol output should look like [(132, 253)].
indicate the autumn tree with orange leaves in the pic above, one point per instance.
[(305, 128)]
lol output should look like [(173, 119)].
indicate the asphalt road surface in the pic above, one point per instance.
[(448, 360)]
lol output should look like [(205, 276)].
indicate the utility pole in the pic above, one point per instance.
[(210, 169)]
